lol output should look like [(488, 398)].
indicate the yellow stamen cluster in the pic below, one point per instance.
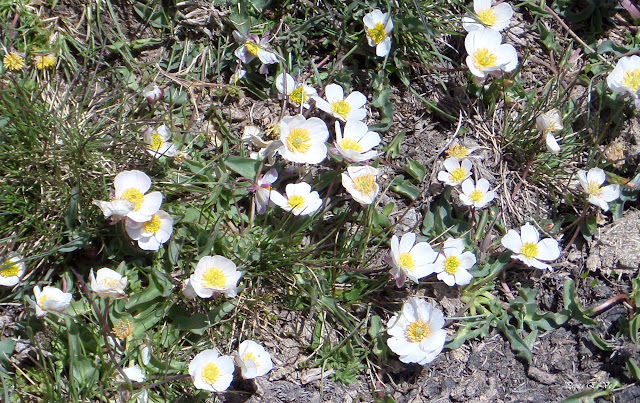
[(594, 189), (134, 196), (476, 196), (418, 331), (530, 250), (457, 151), (406, 261), (252, 47), (458, 175), (250, 356), (350, 144), (299, 140), (123, 329), (377, 33), (214, 278), (484, 59), (364, 184), (295, 201), (44, 62), (631, 79), (298, 96), (10, 270), (452, 264), (341, 108), (487, 17), (156, 142), (13, 61), (211, 373), (153, 225)]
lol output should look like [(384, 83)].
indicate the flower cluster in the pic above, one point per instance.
[(144, 221), (486, 52), (14, 61), (214, 372)]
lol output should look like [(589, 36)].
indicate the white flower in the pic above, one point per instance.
[(11, 271), (215, 274), (299, 200), (187, 289), (529, 249), (253, 359), (361, 184), (456, 171), (268, 148), (416, 333), (460, 152), (298, 94), (550, 121), (158, 143), (50, 299), (625, 77), (496, 18), (453, 267), (153, 93), (356, 143), (478, 194), (303, 140), (378, 26), (108, 283), (262, 189), (347, 109), (211, 371), (237, 76), (409, 260), (252, 47), (134, 373), (130, 199), (599, 195), (486, 53), (151, 234)]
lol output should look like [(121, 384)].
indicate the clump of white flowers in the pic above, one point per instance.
[(530, 249), (378, 27), (599, 195)]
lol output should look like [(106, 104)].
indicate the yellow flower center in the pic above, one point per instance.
[(252, 47), (631, 79), (299, 140), (295, 201), (153, 225), (214, 278), (364, 184), (452, 264), (350, 144), (298, 96), (594, 189), (123, 329), (13, 61), (252, 357), (487, 17), (418, 331), (43, 299), (377, 33), (109, 282), (458, 151), (406, 261), (530, 250), (458, 175), (134, 196), (211, 373), (10, 270), (483, 59), (156, 142), (476, 195), (341, 108), (44, 62)]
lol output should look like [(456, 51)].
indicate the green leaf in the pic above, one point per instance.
[(597, 340), (588, 227), (7, 346), (404, 188), (521, 346), (572, 305), (194, 322), (468, 332), (634, 325), (393, 149), (84, 371), (245, 167), (633, 368), (415, 169)]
